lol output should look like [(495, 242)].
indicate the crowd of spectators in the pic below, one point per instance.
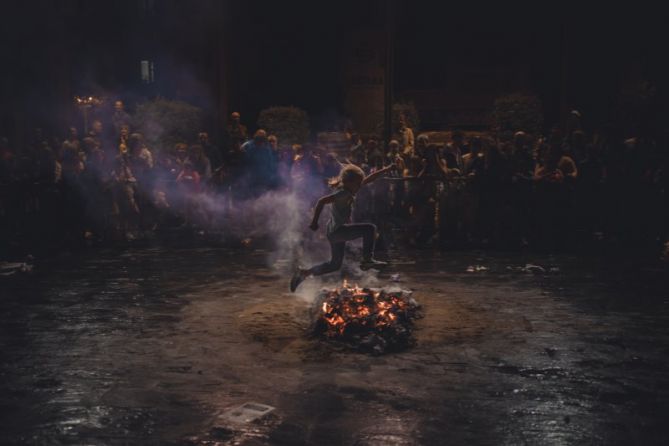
[(565, 189), (479, 189)]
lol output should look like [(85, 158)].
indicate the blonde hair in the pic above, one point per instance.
[(347, 173)]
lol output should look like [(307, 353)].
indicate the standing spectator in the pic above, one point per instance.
[(555, 174), (424, 192), (125, 207), (454, 151), (140, 155), (405, 135), (188, 185), (236, 134), (141, 160), (555, 166), (520, 156), (591, 179), (201, 162), (273, 142), (396, 189), (97, 164), (520, 163), (493, 182), (181, 156), (260, 163), (47, 165), (414, 162), (357, 154), (165, 174), (212, 152), (71, 154), (284, 159), (306, 167), (473, 162), (375, 157), (188, 179), (393, 151), (474, 165), (123, 136), (97, 133), (120, 118), (95, 182)]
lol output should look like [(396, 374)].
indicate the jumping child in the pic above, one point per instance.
[(339, 228)]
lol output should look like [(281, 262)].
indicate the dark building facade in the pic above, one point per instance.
[(128, 49), (244, 56)]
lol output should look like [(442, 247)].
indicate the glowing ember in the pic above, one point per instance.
[(367, 319)]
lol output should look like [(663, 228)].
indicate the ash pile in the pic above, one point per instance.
[(368, 320)]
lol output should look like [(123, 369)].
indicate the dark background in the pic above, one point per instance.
[(246, 55)]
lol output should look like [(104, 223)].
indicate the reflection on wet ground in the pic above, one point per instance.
[(151, 346)]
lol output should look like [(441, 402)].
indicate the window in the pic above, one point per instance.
[(147, 72)]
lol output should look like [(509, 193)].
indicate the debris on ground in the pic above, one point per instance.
[(536, 269), (531, 268), (476, 268), (246, 413), (11, 268)]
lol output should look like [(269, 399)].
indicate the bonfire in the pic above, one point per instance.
[(367, 319)]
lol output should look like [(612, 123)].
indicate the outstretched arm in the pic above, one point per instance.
[(319, 208), (379, 173)]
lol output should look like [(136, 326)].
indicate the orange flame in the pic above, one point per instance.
[(361, 308)]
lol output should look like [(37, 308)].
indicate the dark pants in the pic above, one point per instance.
[(338, 241)]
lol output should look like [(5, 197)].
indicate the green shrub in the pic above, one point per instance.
[(164, 122), (289, 124), (518, 111)]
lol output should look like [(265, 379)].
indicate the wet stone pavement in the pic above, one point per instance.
[(151, 346)]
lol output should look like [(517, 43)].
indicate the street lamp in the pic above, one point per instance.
[(85, 103)]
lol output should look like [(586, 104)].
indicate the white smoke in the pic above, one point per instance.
[(280, 218)]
